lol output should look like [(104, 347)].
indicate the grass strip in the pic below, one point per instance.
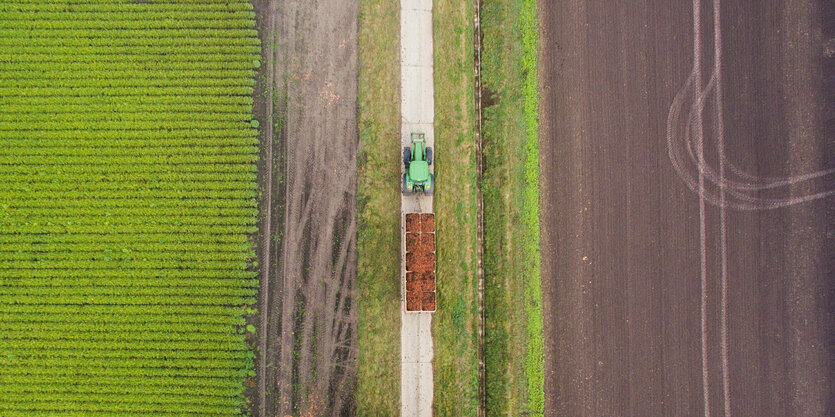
[(535, 351), (378, 209), (455, 322), (511, 194)]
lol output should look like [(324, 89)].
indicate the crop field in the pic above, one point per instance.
[(127, 157)]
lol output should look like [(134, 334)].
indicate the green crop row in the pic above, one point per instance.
[(234, 345), (210, 17), (172, 311), (148, 211), (91, 331), (179, 59), (163, 398), (57, 277), (152, 48), (120, 101), (47, 73), (217, 356), (127, 404), (181, 193), (69, 4), (146, 316), (62, 38), (67, 413), (194, 289), (144, 390), (131, 185), (124, 91), (40, 253), (139, 246), (107, 203), (124, 122), (195, 386), (131, 65), (233, 147), (171, 363), (84, 368), (196, 261), (15, 221), (126, 21), (86, 145), (132, 299), (116, 388), (122, 135), (210, 181), (133, 283)]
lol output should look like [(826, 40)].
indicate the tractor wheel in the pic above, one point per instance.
[(405, 190), (407, 157), (429, 156), (429, 189)]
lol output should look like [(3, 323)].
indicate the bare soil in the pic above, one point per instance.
[(662, 299), (306, 100)]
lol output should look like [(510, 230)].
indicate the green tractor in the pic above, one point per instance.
[(417, 160)]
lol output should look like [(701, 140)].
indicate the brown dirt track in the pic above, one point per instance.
[(636, 266), (306, 100)]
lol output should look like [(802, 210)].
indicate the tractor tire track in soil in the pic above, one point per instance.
[(305, 98)]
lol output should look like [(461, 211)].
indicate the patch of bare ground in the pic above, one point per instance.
[(306, 99)]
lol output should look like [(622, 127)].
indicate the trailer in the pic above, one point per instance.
[(420, 262)]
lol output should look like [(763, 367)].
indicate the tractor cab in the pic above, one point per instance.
[(416, 160)]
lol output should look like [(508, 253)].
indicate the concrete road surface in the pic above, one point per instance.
[(417, 114), (687, 202)]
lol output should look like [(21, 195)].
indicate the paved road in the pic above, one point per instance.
[(687, 229), (417, 114)]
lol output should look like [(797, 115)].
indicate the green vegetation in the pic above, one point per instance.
[(455, 322), (378, 199), (511, 199), (127, 152)]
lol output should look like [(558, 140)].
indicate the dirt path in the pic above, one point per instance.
[(686, 229), (308, 92)]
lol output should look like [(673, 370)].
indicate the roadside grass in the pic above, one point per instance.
[(513, 299), (378, 210), (455, 322)]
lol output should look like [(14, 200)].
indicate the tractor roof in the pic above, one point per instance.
[(419, 171)]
